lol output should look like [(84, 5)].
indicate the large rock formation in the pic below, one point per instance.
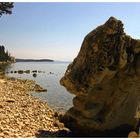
[(105, 77)]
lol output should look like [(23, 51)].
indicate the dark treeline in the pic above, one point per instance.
[(5, 55), (34, 60)]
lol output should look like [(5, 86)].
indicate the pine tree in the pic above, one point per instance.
[(6, 8)]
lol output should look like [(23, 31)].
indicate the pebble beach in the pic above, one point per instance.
[(23, 115)]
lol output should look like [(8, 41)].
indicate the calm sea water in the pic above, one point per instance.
[(56, 96)]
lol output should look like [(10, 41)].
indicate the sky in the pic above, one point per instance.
[(56, 30)]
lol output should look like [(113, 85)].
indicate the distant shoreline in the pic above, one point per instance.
[(34, 60)]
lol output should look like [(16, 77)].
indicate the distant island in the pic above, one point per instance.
[(34, 60)]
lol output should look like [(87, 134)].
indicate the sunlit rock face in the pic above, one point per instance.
[(105, 77)]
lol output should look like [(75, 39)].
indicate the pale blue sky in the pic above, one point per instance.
[(56, 30)]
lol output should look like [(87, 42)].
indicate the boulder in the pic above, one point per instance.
[(105, 78)]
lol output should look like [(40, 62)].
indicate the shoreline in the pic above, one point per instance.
[(23, 115)]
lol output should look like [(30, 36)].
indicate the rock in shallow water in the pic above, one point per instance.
[(105, 78), (38, 88)]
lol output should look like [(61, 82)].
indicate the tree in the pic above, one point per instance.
[(6, 8)]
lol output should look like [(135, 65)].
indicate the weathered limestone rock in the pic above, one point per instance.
[(105, 77)]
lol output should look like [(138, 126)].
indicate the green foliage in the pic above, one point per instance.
[(6, 8)]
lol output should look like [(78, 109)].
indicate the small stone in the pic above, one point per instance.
[(55, 114), (6, 133), (1, 106), (132, 134), (38, 88), (10, 100)]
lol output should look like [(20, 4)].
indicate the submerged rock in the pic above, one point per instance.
[(34, 75), (34, 71), (51, 73), (27, 71), (105, 78), (20, 71)]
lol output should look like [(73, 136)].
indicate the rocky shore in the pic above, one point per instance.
[(22, 115)]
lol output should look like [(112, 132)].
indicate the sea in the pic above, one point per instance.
[(49, 75)]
